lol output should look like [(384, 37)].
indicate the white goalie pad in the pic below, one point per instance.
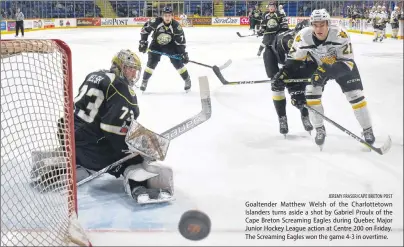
[(146, 142)]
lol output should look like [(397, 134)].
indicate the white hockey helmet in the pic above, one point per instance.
[(280, 7), (384, 8), (320, 15), (396, 8), (373, 8), (379, 7)]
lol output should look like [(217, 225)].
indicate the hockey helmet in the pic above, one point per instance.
[(301, 25), (167, 10), (127, 59), (320, 15)]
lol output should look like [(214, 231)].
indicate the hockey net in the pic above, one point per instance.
[(38, 187)]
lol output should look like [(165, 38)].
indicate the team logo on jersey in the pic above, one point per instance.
[(163, 39), (152, 20), (131, 91), (298, 38), (272, 23), (343, 34), (179, 28)]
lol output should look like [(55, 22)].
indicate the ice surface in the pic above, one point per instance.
[(239, 155)]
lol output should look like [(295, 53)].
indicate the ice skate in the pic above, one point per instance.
[(187, 86), (283, 125), (369, 136), (320, 137), (307, 124), (143, 86)]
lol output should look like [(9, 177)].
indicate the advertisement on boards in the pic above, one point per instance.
[(201, 21), (115, 21), (37, 24), (3, 26), (11, 25), (226, 21), (140, 20), (244, 20), (88, 22)]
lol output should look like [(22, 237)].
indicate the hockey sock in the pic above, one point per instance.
[(304, 112), (359, 105), (313, 98), (279, 102), (147, 73), (183, 73)]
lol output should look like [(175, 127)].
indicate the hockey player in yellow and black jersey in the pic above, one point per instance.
[(282, 45), (104, 108), (330, 48), (168, 37), (272, 23), (255, 18)]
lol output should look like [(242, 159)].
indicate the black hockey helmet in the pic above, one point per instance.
[(301, 25), (167, 10)]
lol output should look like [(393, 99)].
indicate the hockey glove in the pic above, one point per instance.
[(260, 33), (185, 58), (298, 99), (278, 84), (319, 76), (143, 46)]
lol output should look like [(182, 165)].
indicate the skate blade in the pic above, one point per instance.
[(187, 90)]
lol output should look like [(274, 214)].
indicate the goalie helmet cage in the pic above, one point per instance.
[(38, 180)]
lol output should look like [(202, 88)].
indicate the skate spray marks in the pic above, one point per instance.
[(103, 205)]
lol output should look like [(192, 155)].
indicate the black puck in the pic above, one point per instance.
[(194, 225)]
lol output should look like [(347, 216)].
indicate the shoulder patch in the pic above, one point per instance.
[(131, 91), (298, 38), (343, 34), (153, 20), (179, 28)]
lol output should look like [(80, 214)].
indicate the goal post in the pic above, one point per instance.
[(38, 175)]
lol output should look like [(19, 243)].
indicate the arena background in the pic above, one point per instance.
[(41, 15)]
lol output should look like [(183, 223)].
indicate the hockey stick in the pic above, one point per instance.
[(242, 36), (382, 150), (225, 82), (173, 132), (178, 57)]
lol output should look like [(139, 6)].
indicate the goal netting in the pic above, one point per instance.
[(38, 187)]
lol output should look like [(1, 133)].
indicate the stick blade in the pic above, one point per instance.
[(386, 146), (226, 64)]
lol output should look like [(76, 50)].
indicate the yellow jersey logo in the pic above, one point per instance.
[(343, 34), (298, 38)]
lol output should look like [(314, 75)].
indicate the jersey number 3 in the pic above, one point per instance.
[(91, 106)]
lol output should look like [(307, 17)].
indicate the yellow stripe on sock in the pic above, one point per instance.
[(359, 105), (278, 97), (149, 70), (313, 102), (182, 70)]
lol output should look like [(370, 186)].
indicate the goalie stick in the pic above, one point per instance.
[(219, 75), (178, 57), (382, 150), (173, 132)]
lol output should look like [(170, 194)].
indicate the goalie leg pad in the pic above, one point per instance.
[(165, 178)]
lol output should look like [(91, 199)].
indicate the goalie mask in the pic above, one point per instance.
[(127, 65)]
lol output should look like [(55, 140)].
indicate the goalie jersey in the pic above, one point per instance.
[(335, 50), (103, 111)]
